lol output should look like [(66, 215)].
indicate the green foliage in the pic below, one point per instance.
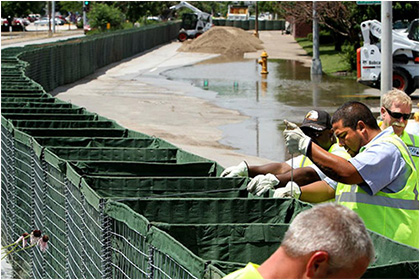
[(349, 56), (101, 14), (21, 8), (70, 6)]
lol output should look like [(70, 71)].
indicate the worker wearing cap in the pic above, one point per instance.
[(379, 182), (317, 126), (395, 112)]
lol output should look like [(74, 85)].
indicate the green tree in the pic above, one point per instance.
[(22, 8), (70, 6), (101, 14)]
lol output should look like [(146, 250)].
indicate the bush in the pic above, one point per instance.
[(325, 37), (101, 14), (349, 56)]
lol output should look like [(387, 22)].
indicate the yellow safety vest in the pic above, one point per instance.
[(334, 149), (394, 215), (412, 142), (248, 272)]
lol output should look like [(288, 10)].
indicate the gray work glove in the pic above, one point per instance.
[(288, 190), (240, 170), (296, 140), (262, 183)]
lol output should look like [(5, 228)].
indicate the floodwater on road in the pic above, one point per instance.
[(287, 92)]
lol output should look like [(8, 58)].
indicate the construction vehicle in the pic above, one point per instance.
[(237, 12), (193, 24), (405, 57)]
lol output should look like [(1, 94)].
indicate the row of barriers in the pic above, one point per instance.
[(117, 203)]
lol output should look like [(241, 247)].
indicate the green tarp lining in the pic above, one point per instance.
[(80, 132), (23, 94), (217, 210), (47, 99), (134, 169), (167, 245), (28, 104), (74, 117), (117, 154), (168, 187), (144, 142), (21, 124), (60, 111), (249, 242)]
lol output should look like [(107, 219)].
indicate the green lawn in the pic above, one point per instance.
[(331, 60)]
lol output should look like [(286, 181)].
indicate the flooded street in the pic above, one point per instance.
[(287, 92)]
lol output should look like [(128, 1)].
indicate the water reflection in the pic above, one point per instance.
[(287, 92)]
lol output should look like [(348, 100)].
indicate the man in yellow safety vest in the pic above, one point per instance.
[(379, 182)]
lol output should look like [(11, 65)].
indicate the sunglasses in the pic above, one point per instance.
[(313, 133), (398, 115)]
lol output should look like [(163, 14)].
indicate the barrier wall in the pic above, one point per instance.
[(250, 24), (118, 203)]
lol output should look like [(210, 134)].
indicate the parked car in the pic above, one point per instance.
[(44, 21), (21, 21), (33, 17)]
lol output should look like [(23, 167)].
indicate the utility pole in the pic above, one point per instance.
[(53, 16), (49, 18), (386, 47), (256, 20), (316, 68)]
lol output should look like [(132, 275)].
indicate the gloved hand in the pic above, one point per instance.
[(262, 183), (241, 170), (296, 140), (287, 191)]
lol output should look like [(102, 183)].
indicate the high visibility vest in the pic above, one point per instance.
[(248, 272), (334, 149), (412, 142), (394, 215)]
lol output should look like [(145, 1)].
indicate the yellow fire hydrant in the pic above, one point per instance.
[(263, 62)]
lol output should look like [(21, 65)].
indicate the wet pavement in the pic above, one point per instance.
[(287, 92)]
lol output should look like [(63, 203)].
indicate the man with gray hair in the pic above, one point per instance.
[(327, 241), (395, 112)]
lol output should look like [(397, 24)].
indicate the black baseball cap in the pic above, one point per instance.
[(317, 120)]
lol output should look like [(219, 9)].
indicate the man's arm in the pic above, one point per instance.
[(302, 176), (335, 167), (273, 168)]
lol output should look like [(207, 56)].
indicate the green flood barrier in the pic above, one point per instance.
[(139, 169), (161, 187), (74, 117), (81, 132), (140, 141), (216, 210), (48, 124)]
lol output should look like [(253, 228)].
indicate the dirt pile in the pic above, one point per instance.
[(230, 41)]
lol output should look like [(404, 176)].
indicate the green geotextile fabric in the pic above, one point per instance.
[(134, 169), (20, 124), (250, 242), (144, 142), (74, 117), (166, 244), (168, 187), (123, 213), (28, 104), (58, 111), (47, 99), (116, 154), (78, 132), (217, 210)]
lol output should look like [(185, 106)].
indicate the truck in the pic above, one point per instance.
[(193, 24), (237, 12), (405, 57)]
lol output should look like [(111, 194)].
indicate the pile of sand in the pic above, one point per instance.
[(230, 41)]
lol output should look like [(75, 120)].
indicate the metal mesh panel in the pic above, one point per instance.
[(130, 254), (55, 223), (7, 186), (164, 266)]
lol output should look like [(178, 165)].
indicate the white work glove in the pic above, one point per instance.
[(241, 170), (287, 191), (296, 140), (262, 183)]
